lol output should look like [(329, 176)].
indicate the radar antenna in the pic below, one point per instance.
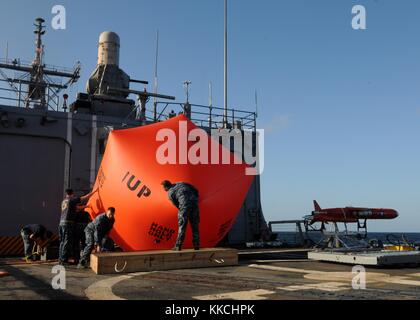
[(36, 84)]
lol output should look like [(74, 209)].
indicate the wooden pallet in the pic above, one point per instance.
[(143, 261)]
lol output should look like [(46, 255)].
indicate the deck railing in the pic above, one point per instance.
[(204, 116)]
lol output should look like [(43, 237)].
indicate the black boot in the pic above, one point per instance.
[(176, 248), (82, 265)]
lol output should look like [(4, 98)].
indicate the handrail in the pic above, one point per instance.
[(27, 63), (210, 116)]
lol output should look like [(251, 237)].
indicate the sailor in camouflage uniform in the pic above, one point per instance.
[(95, 233), (69, 207), (185, 197)]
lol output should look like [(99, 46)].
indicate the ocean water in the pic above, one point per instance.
[(411, 237)]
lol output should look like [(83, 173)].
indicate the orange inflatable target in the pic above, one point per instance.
[(130, 177)]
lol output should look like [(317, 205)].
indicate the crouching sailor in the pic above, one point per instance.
[(33, 234), (95, 232)]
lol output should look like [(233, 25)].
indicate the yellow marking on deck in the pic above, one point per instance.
[(371, 277), (102, 290), (327, 286), (238, 295), (414, 275), (275, 268), (403, 280), (346, 276)]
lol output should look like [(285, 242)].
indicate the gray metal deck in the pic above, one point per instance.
[(284, 278), (367, 258)]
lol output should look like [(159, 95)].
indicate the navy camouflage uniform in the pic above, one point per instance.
[(37, 231), (95, 232), (81, 221), (66, 228), (185, 197)]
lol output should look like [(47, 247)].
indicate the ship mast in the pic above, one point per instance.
[(156, 77), (39, 31), (225, 117), (37, 87), (35, 84)]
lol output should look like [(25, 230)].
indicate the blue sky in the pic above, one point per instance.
[(341, 107)]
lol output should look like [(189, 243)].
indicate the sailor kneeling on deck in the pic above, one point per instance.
[(95, 233), (184, 196)]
